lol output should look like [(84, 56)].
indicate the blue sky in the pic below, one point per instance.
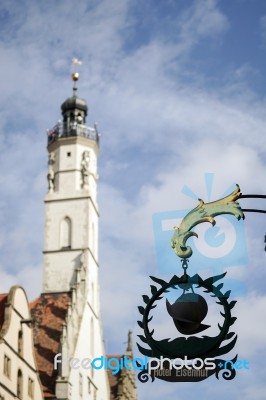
[(177, 88)]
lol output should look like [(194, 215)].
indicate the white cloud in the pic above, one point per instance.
[(202, 19)]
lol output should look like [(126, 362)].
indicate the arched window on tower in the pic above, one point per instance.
[(79, 118), (20, 343), (20, 385), (65, 233)]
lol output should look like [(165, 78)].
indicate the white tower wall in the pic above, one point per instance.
[(71, 213), (71, 249)]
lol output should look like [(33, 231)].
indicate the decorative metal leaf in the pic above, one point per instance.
[(152, 332), (174, 280), (229, 335), (196, 278), (227, 294), (223, 349), (233, 320), (157, 280), (141, 310), (213, 279), (146, 298), (146, 352), (232, 304), (143, 338), (222, 314), (219, 287), (149, 320), (153, 289), (140, 324)]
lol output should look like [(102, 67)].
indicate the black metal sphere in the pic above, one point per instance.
[(188, 311)]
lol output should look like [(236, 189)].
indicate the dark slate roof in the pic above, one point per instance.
[(74, 102)]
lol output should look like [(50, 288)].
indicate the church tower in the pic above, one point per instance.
[(67, 314), (71, 209)]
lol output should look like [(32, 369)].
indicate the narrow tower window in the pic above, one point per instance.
[(80, 385), (7, 366), (20, 343), (31, 388), (65, 233), (19, 385)]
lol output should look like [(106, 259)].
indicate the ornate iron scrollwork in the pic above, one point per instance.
[(189, 309)]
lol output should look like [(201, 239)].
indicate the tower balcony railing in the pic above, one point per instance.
[(73, 129)]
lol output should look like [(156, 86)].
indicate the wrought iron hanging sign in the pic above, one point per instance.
[(191, 358)]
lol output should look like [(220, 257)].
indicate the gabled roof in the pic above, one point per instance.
[(3, 301), (48, 312)]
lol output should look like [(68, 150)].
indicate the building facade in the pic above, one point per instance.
[(19, 378)]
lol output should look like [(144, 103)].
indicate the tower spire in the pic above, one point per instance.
[(129, 342)]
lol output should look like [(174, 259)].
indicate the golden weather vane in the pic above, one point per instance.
[(75, 74)]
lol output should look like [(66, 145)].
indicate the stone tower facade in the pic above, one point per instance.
[(71, 209), (70, 278)]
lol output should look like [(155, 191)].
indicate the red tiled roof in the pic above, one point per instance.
[(3, 300), (114, 379), (49, 312)]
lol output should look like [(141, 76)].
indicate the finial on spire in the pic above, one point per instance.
[(75, 74), (129, 342)]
